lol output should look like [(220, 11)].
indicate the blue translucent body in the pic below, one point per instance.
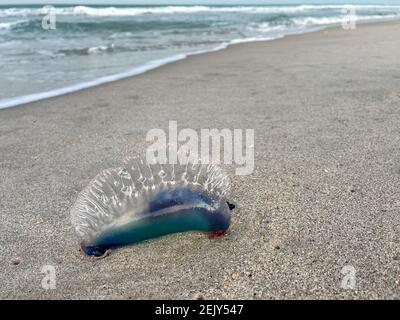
[(169, 212)]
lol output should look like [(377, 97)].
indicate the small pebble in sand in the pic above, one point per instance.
[(235, 275), (351, 189), (198, 296), (15, 261)]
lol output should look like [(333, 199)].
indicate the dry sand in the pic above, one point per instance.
[(325, 192)]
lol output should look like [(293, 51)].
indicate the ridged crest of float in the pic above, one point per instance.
[(127, 189)]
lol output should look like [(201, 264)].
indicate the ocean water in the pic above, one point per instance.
[(97, 44)]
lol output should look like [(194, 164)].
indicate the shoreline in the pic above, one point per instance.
[(323, 197), (157, 63)]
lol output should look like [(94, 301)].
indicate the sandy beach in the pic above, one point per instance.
[(324, 194)]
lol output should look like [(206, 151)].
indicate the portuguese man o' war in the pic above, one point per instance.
[(140, 201)]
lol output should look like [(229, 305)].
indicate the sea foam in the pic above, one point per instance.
[(134, 11)]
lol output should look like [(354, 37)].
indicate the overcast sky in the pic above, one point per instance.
[(150, 2)]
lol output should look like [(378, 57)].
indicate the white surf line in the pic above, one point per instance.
[(21, 100), (16, 101), (12, 102)]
